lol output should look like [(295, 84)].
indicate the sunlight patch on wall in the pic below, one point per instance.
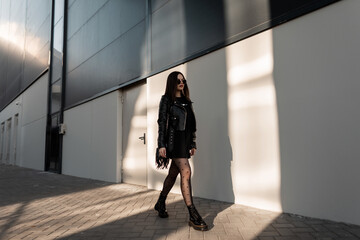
[(9, 32), (246, 72), (134, 160), (253, 124)]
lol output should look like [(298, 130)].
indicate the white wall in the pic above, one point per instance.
[(316, 72), (33, 130), (9, 113), (32, 108), (92, 143), (278, 119)]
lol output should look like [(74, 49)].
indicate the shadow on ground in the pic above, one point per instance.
[(147, 225), (25, 185), (38, 205)]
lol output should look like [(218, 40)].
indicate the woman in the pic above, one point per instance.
[(176, 140)]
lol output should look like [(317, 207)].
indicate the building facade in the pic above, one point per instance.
[(274, 86)]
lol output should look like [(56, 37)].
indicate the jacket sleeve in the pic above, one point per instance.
[(193, 133), (163, 121), (193, 142)]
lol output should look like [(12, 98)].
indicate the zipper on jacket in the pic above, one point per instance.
[(177, 104)]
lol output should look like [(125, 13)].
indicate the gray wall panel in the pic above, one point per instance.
[(12, 86), (24, 46), (16, 48), (37, 42), (117, 50), (71, 2), (111, 21), (14, 77), (204, 24), (36, 12), (35, 65), (116, 63), (183, 28), (5, 40), (156, 4), (168, 35), (133, 53), (3, 73), (80, 12), (254, 13), (73, 82), (131, 13), (14, 64)]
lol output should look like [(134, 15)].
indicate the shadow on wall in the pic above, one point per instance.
[(212, 163), (208, 90)]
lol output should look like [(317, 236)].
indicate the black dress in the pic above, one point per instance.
[(182, 139)]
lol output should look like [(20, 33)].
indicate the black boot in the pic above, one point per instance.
[(160, 207), (196, 220)]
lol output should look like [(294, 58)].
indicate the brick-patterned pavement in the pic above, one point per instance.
[(40, 205)]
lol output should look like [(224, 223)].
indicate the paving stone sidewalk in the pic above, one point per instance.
[(41, 205)]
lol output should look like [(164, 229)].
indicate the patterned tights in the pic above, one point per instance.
[(182, 166)]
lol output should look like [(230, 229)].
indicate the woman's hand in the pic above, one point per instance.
[(162, 152), (192, 151)]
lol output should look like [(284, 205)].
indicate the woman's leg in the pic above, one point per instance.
[(185, 172), (168, 184), (195, 220), (170, 179)]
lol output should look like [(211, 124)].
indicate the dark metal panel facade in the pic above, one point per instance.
[(115, 54), (15, 47), (185, 29), (182, 28), (80, 11), (156, 4), (37, 42), (24, 45), (114, 42), (11, 49)]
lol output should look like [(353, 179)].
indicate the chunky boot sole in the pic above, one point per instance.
[(198, 227), (162, 215)]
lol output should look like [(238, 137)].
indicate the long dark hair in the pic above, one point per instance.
[(171, 86)]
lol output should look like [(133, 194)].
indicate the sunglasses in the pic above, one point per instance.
[(179, 81)]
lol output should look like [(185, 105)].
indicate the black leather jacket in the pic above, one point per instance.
[(172, 117)]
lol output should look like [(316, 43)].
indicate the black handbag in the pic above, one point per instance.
[(161, 162)]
